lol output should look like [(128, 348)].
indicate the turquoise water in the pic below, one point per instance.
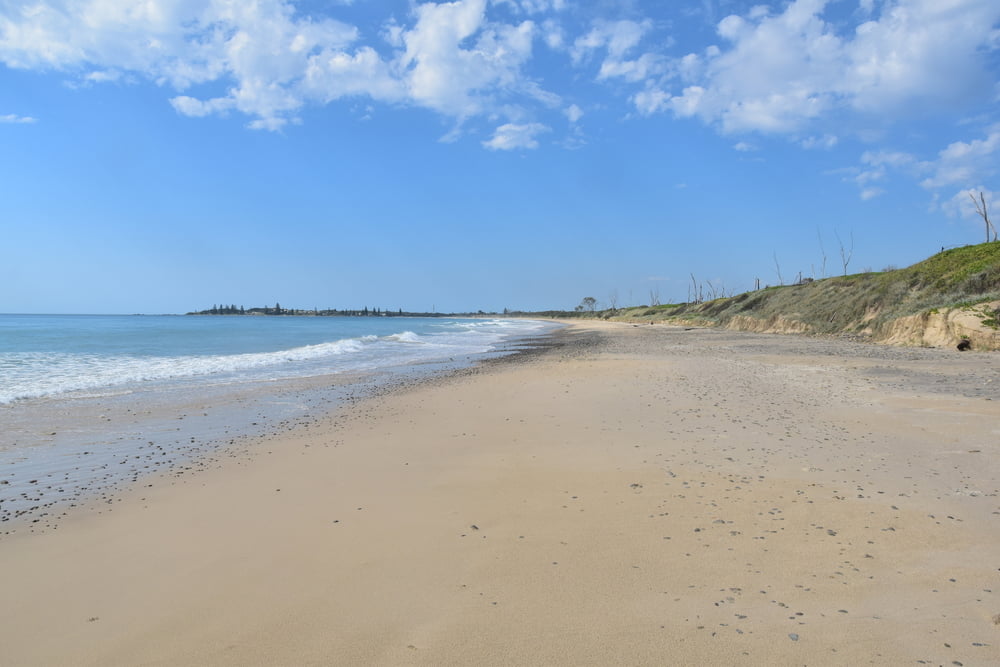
[(92, 403), (47, 355)]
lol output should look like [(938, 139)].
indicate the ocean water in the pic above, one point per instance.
[(51, 355), (89, 403)]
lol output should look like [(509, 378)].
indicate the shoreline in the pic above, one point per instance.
[(629, 495), (68, 450)]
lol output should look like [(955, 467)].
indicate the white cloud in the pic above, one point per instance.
[(190, 106), (552, 34), (782, 68), (443, 74), (617, 39), (651, 100), (573, 113), (265, 60), (964, 163), (744, 147), (897, 159), (961, 205), (330, 76), (690, 68), (961, 164), (14, 118), (631, 70), (826, 141), (534, 6), (875, 170), (766, 80), (921, 51), (687, 103), (260, 49), (511, 136), (104, 76), (780, 73)]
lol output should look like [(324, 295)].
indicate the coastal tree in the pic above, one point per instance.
[(589, 304), (696, 291), (845, 254), (777, 267), (983, 212), (822, 250)]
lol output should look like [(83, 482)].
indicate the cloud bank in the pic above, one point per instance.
[(810, 71)]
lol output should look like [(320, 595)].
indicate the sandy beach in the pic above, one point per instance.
[(642, 495)]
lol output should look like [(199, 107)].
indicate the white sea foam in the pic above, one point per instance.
[(405, 337), (102, 391), (35, 374)]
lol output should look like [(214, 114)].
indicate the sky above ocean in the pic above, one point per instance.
[(161, 156)]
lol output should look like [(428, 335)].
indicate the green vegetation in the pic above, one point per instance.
[(863, 304), (315, 312), (866, 305)]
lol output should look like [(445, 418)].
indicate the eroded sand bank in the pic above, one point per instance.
[(636, 495)]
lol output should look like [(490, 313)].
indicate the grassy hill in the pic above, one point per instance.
[(953, 295)]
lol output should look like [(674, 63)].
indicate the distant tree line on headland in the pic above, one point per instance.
[(316, 312)]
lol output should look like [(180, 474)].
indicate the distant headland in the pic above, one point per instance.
[(277, 310)]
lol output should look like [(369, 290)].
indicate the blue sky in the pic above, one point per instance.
[(166, 155)]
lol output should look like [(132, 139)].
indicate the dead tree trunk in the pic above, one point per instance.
[(983, 212)]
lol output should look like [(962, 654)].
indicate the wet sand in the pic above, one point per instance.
[(630, 495)]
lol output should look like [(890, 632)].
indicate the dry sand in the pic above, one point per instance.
[(636, 495)]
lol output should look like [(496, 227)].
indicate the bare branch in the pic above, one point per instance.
[(983, 212), (822, 251), (845, 255)]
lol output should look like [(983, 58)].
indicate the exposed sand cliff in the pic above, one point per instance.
[(939, 328)]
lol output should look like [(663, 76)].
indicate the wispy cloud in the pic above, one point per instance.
[(963, 162), (618, 41), (511, 137), (14, 118), (961, 165), (962, 203)]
